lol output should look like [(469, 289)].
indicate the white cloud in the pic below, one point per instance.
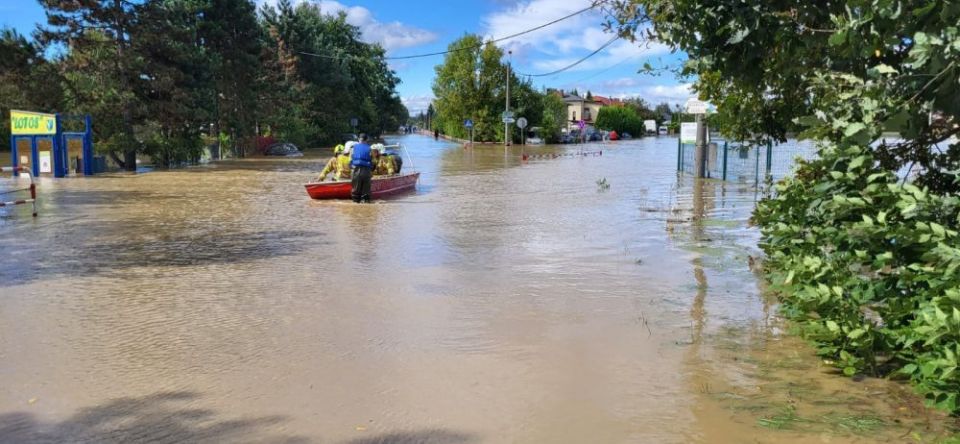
[(623, 82), (627, 87), (667, 93), (390, 35), (563, 43), (415, 104)]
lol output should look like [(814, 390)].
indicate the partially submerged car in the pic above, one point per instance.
[(283, 149)]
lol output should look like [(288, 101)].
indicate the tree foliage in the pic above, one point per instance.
[(471, 84), (554, 117), (862, 242), (622, 119), (164, 77), (22, 69)]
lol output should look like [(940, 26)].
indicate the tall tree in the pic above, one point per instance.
[(27, 80), (471, 84), (175, 79), (325, 75), (231, 36), (554, 117), (70, 22)]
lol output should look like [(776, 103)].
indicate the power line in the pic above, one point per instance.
[(605, 70), (594, 4), (605, 45)]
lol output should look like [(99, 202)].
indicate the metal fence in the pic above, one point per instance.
[(746, 163)]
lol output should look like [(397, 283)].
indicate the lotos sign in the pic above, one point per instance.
[(32, 124)]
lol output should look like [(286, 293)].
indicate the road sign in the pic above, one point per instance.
[(581, 124), (508, 120), (522, 122), (688, 132), (354, 122), (695, 106), (468, 123), (506, 114)]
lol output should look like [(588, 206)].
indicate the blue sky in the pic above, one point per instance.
[(423, 26)]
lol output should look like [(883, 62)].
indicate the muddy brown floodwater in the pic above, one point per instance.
[(502, 302)]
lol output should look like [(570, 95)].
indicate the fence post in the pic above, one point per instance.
[(725, 149), (769, 157), (756, 169), (679, 155), (14, 156)]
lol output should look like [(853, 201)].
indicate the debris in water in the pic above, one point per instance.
[(602, 184), (32, 401)]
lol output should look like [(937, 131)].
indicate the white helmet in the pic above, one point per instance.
[(348, 147)]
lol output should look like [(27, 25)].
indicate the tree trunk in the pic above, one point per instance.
[(129, 138)]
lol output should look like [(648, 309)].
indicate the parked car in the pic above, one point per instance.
[(283, 149), (626, 136), (662, 131), (533, 136)]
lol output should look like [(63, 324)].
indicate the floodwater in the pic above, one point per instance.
[(571, 299)]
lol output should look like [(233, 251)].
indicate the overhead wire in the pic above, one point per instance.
[(605, 45), (605, 70), (593, 5)]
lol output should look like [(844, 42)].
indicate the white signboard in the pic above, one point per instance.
[(688, 132), (522, 122), (695, 106), (45, 165)]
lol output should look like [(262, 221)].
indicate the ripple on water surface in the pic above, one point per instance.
[(504, 301)]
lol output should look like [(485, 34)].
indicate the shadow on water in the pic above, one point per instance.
[(69, 198), (176, 248), (436, 436), (162, 417)]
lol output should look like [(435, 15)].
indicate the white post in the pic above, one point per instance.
[(700, 154), (506, 125)]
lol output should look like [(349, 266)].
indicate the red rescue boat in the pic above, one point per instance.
[(380, 186)]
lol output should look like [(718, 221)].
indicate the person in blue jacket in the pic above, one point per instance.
[(361, 160)]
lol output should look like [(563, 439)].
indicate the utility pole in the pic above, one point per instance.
[(506, 123), (700, 153)]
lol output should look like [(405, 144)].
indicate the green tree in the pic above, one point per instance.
[(175, 80), (319, 75), (643, 109), (621, 119), (467, 86), (71, 22), (589, 96), (554, 117), (27, 80), (231, 35), (471, 84)]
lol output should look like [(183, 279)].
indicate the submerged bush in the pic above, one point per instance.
[(868, 267)]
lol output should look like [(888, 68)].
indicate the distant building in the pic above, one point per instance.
[(579, 108)]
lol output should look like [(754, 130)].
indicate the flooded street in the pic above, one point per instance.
[(501, 302)]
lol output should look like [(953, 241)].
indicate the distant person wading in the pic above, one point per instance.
[(361, 160)]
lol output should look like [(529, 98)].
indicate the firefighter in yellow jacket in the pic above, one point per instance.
[(339, 164), (385, 165)]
